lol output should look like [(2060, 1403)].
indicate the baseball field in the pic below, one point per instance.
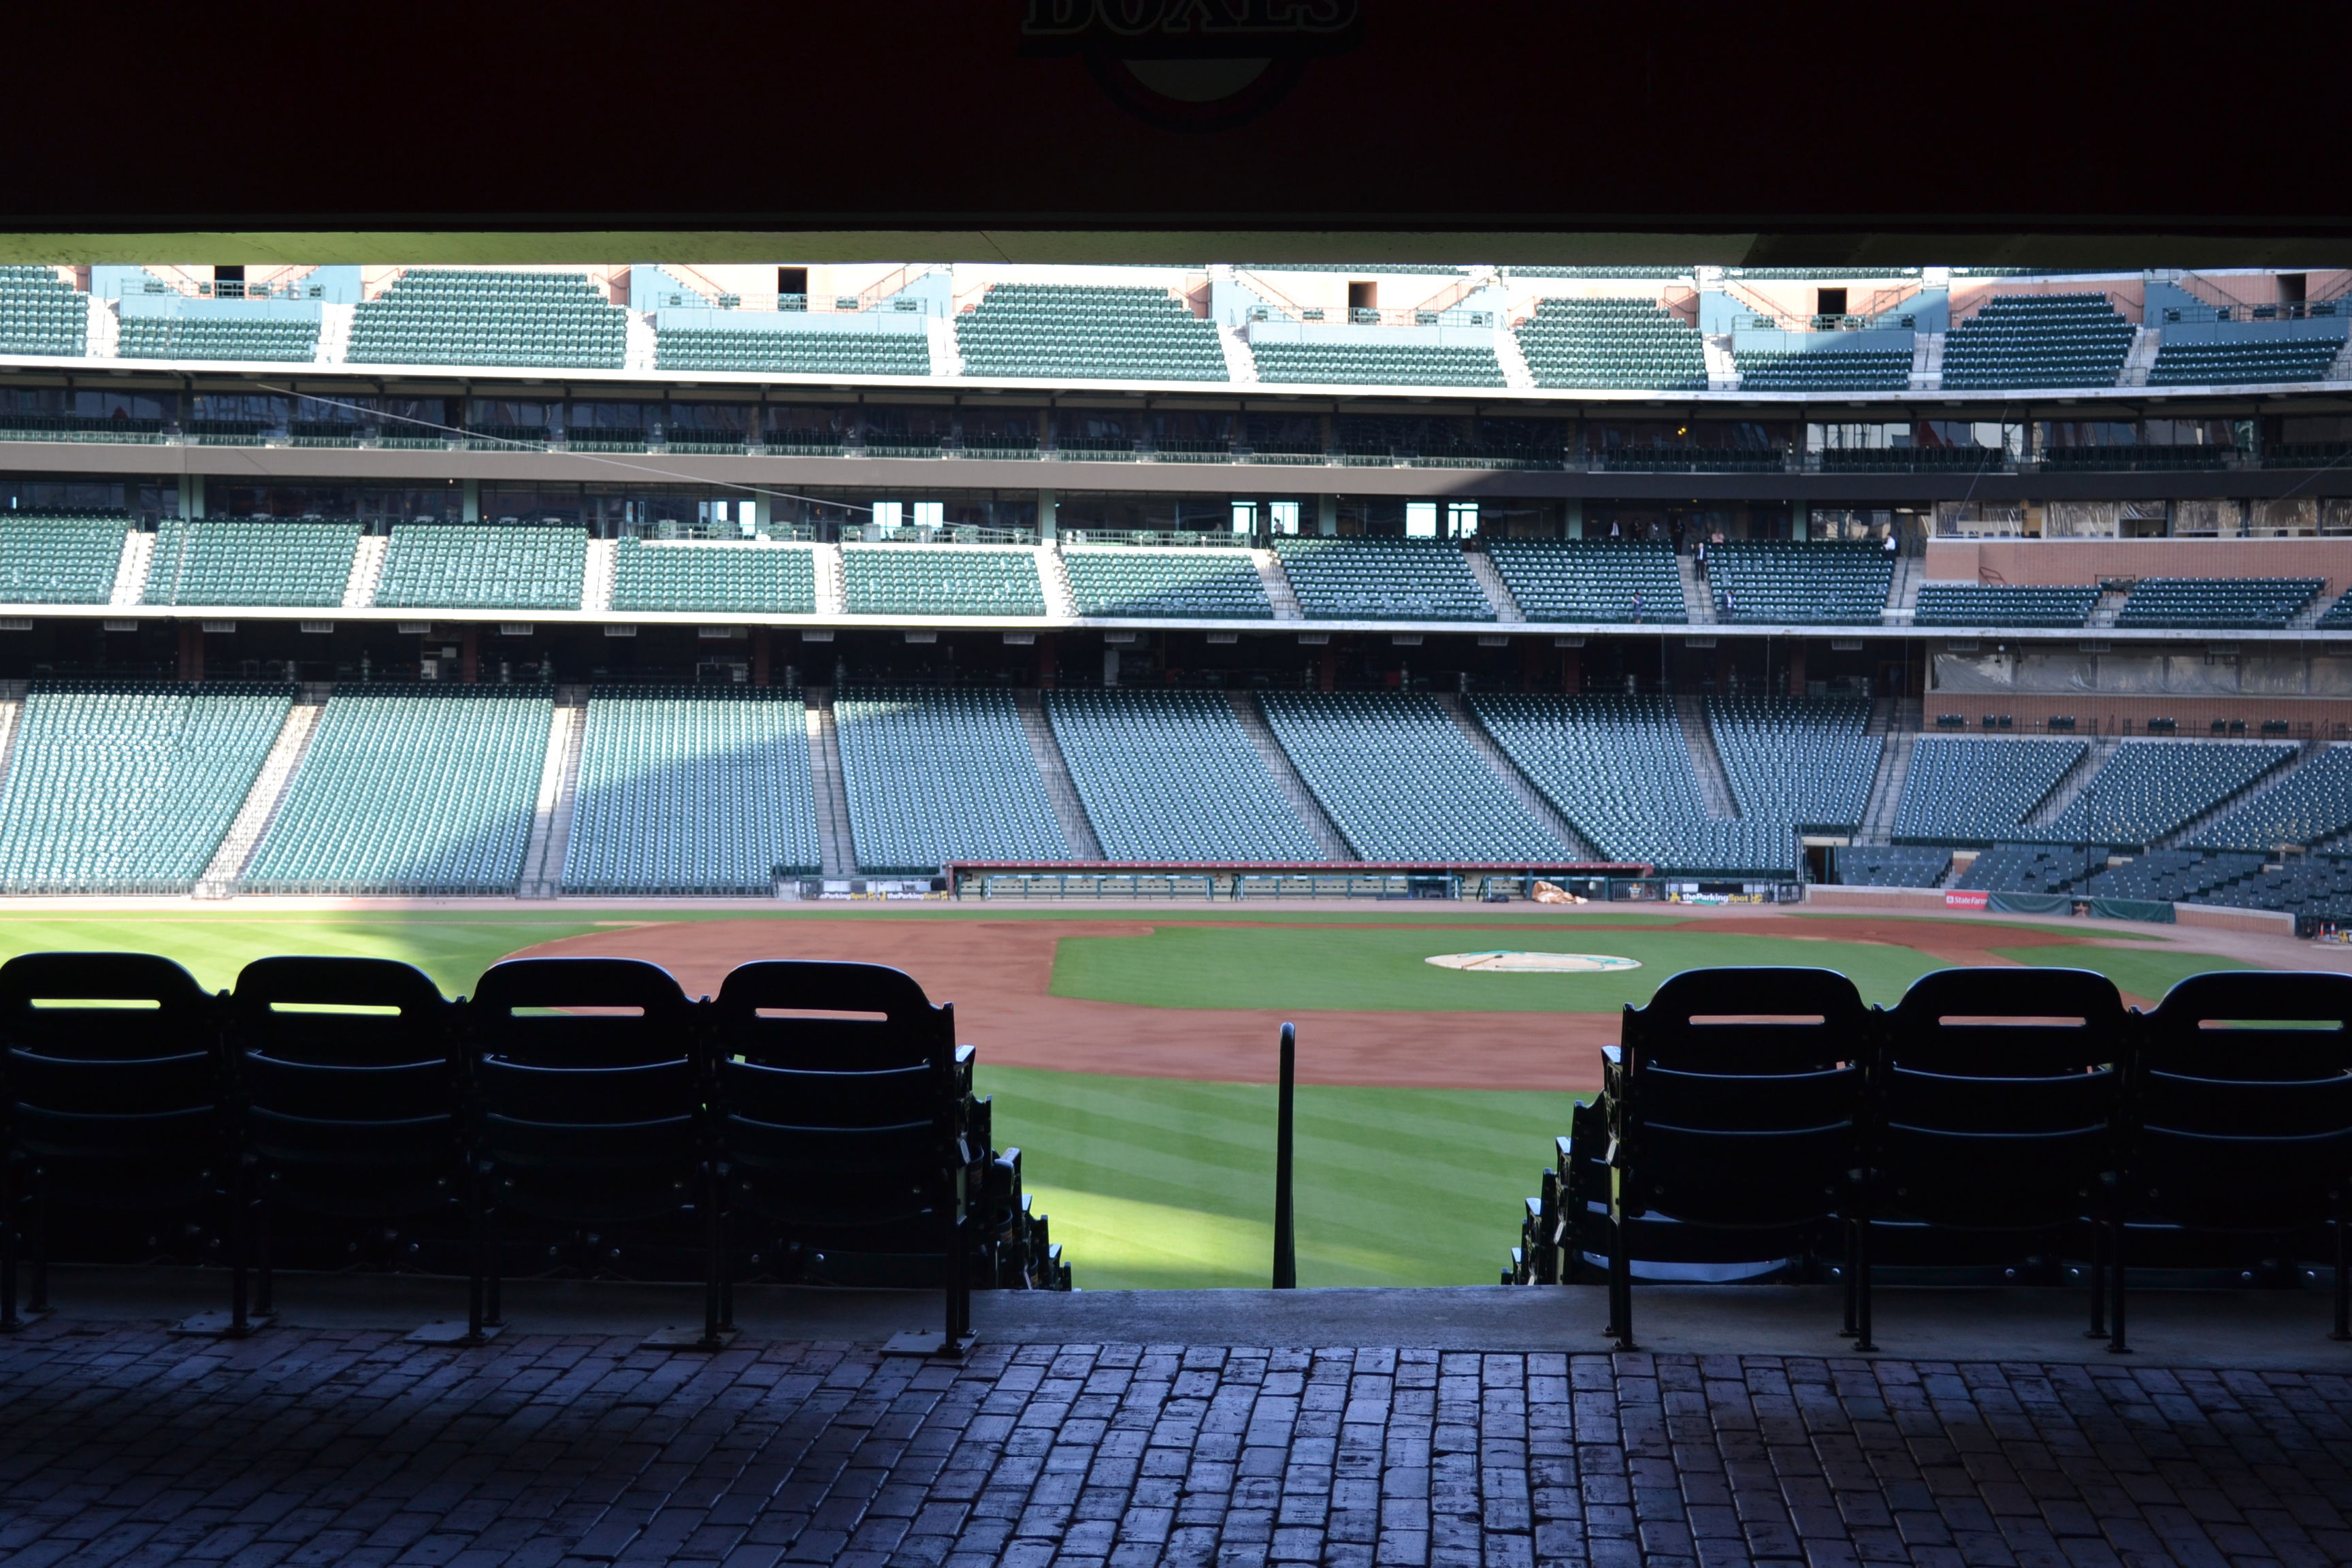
[(1130, 1051)]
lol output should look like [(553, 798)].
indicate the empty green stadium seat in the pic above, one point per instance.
[(780, 352), (1323, 359), (1084, 330), (40, 313), (479, 317), (2247, 354), (1972, 791), (941, 580), (411, 790), (1381, 580), (488, 566), (1172, 584), (2038, 340), (59, 560), (1402, 783), (1825, 583), (1824, 369), (752, 577), (1981, 604), (2309, 807), (1172, 776), (286, 339), (1591, 579), (2221, 602), (2150, 788), (935, 775), (230, 563), (692, 790), (1627, 343), (129, 787), (1804, 762)]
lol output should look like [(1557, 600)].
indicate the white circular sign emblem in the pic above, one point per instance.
[(1504, 963)]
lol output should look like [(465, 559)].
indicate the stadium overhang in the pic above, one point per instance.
[(1154, 131)]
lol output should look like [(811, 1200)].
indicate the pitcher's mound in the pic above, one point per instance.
[(1502, 962)]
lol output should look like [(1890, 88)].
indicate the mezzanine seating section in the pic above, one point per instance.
[(692, 790), (465, 316), (2170, 876), (941, 580), (1825, 370), (781, 352), (410, 790), (936, 774), (1825, 583), (40, 313), (2151, 788), (1377, 363), (1618, 769), (1173, 776), (291, 339), (2031, 868), (2217, 363), (117, 786), (488, 566), (2309, 807), (1402, 783), (1800, 762), (1984, 604), (2319, 887), (1963, 790), (1613, 344), (2038, 340), (1592, 579), (48, 559), (1153, 584), (752, 578), (1087, 331), (1381, 580), (230, 563), (2255, 603)]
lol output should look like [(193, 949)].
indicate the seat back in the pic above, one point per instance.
[(113, 1073), (1738, 1098), (1997, 1096), (346, 1067), (579, 1012), (838, 1092), (2242, 1126)]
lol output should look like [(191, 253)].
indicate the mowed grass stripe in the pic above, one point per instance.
[(1163, 1184)]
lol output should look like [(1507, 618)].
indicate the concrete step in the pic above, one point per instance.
[(1278, 592), (837, 846), (130, 570), (1493, 756), (542, 855), (2072, 782), (1061, 792), (1714, 784), (1294, 788), (367, 572), (262, 801), (1491, 584)]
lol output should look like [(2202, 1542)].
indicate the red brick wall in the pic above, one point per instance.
[(2071, 561)]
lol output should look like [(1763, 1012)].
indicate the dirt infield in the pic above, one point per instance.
[(999, 974)]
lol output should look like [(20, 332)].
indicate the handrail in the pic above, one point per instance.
[(892, 283)]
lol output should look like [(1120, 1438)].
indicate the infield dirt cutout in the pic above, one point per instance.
[(999, 974)]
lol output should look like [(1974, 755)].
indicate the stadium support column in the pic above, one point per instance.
[(1326, 667), (191, 650), (1326, 515), (760, 640), (1046, 505), (472, 503), (1047, 672), (469, 651), (1796, 666), (1801, 519), (1576, 517), (191, 497)]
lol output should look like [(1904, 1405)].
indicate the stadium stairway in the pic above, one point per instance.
[(1698, 604), (12, 710), (2072, 781), (832, 593), (1507, 354), (1055, 769), (1898, 721), (131, 574), (2103, 614), (1278, 592), (1903, 589), (1053, 574), (596, 581), (2311, 751), (1491, 584), (836, 845), (1333, 842), (1530, 796), (559, 794), (1714, 784), (252, 821), (367, 570)]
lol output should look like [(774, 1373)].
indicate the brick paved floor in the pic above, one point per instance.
[(122, 1446)]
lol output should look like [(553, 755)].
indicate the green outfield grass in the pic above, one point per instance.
[(1383, 969), (452, 949), (1161, 1183)]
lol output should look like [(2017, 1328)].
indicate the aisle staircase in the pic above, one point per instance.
[(1713, 785), (1491, 584), (1278, 592), (559, 781), (1503, 768), (837, 846), (254, 818), (1069, 811), (1277, 761)]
